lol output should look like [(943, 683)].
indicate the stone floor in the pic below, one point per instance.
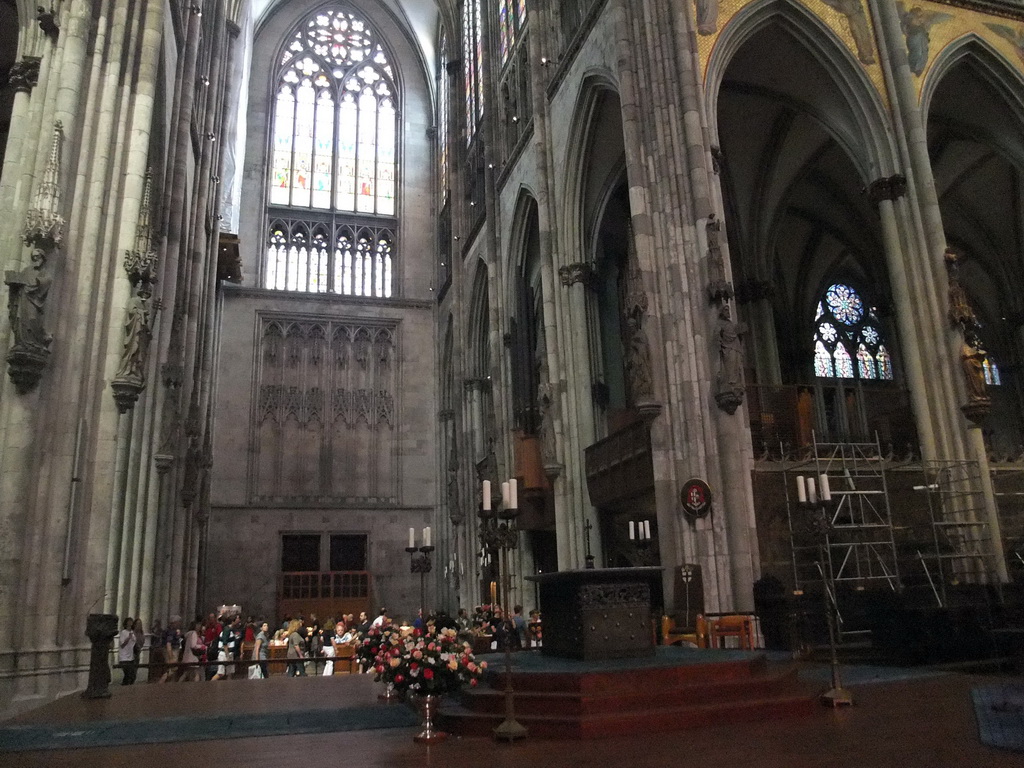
[(927, 722)]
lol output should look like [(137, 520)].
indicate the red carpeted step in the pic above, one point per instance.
[(595, 704)]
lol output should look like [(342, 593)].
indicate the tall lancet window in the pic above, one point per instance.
[(333, 161), (473, 65), (511, 20), (848, 340)]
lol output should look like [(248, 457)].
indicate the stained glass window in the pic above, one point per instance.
[(846, 329), (334, 150), (335, 119), (511, 20), (443, 114), (865, 363), (844, 303), (822, 361), (844, 366), (472, 57), (884, 364), (991, 370)]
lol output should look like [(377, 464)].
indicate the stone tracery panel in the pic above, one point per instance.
[(324, 416)]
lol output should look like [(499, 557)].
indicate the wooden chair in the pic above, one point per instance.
[(344, 658), (739, 626), (671, 634)]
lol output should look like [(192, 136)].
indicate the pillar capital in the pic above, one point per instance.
[(886, 188)]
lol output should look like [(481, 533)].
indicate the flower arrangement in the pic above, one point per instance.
[(425, 663)]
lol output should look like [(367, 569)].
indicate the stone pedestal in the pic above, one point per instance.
[(602, 613), (100, 628)]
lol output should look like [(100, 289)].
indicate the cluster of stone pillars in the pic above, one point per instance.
[(102, 509)]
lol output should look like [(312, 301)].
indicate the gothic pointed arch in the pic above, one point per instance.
[(855, 114), (975, 121)]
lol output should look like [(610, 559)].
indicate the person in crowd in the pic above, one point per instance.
[(192, 651), (418, 622), (261, 650), (212, 630), (250, 631), (140, 644), (172, 643), (518, 628), (296, 650), (157, 653), (364, 623), (382, 619), (464, 626), (229, 647), (126, 652)]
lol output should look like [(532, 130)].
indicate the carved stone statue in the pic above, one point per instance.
[(138, 332), (972, 359), (546, 431), (707, 16), (639, 382), (28, 291), (730, 356), (960, 312), (719, 289)]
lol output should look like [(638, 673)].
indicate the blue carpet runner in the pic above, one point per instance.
[(1000, 713), (17, 738)]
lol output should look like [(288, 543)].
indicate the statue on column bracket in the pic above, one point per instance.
[(139, 319), (139, 316), (719, 289), (729, 394), (960, 311), (547, 402), (29, 288), (636, 349), (455, 512), (972, 361)]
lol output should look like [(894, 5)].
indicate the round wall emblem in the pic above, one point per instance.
[(696, 498)]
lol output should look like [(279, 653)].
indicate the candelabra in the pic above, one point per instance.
[(420, 562), (499, 534), (820, 508)]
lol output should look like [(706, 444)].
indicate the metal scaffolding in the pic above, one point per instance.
[(858, 545), (962, 542)]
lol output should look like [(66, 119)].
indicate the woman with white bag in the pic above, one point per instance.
[(260, 653)]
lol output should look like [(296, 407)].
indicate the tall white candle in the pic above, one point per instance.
[(487, 495), (412, 538), (632, 531), (811, 495), (513, 493), (504, 495), (826, 491), (426, 536), (801, 490), (647, 530)]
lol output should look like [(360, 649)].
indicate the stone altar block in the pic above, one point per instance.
[(602, 613)]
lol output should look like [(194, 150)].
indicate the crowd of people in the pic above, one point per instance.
[(216, 647)]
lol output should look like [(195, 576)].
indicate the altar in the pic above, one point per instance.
[(602, 613)]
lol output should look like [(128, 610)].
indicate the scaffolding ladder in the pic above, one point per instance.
[(858, 548)]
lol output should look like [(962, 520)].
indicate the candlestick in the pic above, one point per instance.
[(487, 495), (801, 489), (412, 538), (811, 495), (826, 491), (426, 536), (513, 493), (505, 500), (632, 533), (647, 530)]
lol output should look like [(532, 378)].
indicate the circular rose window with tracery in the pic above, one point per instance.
[(844, 303)]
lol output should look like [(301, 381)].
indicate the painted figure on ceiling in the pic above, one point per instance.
[(916, 24), (853, 10)]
